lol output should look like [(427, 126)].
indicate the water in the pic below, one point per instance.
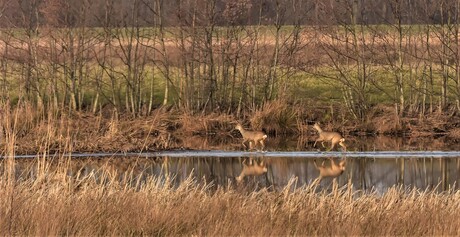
[(367, 167)]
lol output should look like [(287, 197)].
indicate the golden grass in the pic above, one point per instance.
[(56, 199), (102, 204), (36, 132), (205, 124), (27, 130), (277, 117)]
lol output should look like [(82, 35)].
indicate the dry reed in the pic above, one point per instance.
[(39, 132), (55, 199), (276, 117), (102, 204)]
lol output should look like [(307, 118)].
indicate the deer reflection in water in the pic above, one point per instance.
[(253, 168), (334, 170)]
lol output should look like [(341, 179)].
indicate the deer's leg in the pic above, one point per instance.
[(250, 145), (239, 178), (318, 140), (332, 146), (245, 162), (262, 143), (343, 145), (314, 162), (333, 164), (244, 140)]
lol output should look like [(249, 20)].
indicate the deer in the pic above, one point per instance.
[(252, 169), (333, 137), (257, 137), (334, 170)]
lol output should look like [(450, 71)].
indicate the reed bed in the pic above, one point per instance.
[(56, 200), (34, 131), (101, 203), (278, 117)]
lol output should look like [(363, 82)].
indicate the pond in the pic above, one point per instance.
[(371, 164)]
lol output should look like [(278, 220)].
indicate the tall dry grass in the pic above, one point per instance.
[(36, 131), (54, 199), (277, 117), (40, 131), (205, 124), (104, 205)]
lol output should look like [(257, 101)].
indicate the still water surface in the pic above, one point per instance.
[(370, 165)]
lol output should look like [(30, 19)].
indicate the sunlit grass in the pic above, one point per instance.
[(55, 199), (102, 204)]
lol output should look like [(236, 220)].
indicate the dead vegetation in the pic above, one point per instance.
[(61, 200), (276, 117), (37, 131), (103, 205)]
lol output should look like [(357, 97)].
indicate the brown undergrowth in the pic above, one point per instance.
[(277, 117), (55, 199), (36, 130), (110, 131)]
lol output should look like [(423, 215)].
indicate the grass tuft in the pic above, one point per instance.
[(276, 117)]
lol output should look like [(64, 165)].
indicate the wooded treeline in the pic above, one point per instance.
[(208, 55), (68, 13)]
